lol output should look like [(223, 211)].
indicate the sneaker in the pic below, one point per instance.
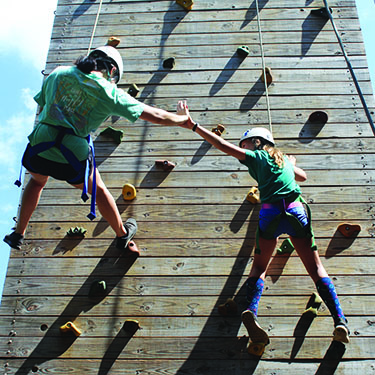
[(14, 240), (131, 227), (256, 333), (341, 332)]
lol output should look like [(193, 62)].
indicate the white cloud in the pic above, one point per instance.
[(13, 139), (25, 29)]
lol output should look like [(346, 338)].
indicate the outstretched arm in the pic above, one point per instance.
[(216, 141), (162, 117)]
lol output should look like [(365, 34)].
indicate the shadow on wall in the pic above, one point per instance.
[(218, 347), (311, 27), (252, 12), (111, 268)]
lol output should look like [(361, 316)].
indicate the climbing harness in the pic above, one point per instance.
[(364, 104), (95, 24), (72, 160), (264, 68), (300, 230)]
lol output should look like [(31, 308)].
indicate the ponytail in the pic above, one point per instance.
[(276, 154)]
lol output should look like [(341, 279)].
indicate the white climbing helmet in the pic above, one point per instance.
[(258, 133), (111, 54)]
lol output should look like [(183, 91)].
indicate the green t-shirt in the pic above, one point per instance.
[(73, 99), (274, 183)]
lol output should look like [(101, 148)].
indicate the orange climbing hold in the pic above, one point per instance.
[(218, 130), (186, 4), (269, 76), (113, 41), (349, 230)]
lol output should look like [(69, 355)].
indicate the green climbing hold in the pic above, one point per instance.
[(243, 51), (133, 90), (286, 247), (98, 288), (76, 232), (115, 134)]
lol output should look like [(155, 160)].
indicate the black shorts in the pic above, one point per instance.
[(59, 171)]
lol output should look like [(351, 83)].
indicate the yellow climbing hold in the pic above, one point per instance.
[(129, 192)]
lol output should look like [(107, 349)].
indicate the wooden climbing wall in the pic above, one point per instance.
[(196, 230)]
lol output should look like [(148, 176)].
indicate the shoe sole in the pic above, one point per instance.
[(341, 334), (256, 333), (133, 224), (9, 242)]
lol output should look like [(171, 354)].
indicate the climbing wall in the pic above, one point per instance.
[(196, 228)]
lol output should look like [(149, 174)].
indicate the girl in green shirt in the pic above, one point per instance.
[(282, 211)]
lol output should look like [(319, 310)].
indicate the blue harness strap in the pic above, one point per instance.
[(73, 161)]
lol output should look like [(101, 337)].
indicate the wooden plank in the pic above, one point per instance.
[(222, 286), (176, 21), (213, 326), (137, 307), (225, 179), (333, 245), (217, 4), (183, 348), (209, 195), (181, 229), (193, 367), (181, 266), (76, 9), (312, 30), (199, 212)]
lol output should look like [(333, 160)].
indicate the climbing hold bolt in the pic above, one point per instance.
[(349, 230), (129, 192), (269, 76), (186, 4), (318, 117), (70, 327), (115, 134), (165, 164), (253, 195), (243, 51), (218, 130), (286, 247), (133, 90), (169, 63)]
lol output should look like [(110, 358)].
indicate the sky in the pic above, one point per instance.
[(23, 52)]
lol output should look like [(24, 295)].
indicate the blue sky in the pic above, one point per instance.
[(23, 52)]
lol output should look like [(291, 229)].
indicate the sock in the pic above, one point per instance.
[(327, 291), (254, 290)]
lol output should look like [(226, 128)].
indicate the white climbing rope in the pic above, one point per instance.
[(264, 68), (95, 24)]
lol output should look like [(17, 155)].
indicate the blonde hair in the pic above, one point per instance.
[(276, 154)]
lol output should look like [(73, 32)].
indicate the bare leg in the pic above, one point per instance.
[(309, 258), (30, 200), (106, 205), (260, 263)]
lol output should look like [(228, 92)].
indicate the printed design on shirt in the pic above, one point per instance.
[(71, 103)]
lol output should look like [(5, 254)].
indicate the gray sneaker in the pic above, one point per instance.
[(14, 240), (131, 227)]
